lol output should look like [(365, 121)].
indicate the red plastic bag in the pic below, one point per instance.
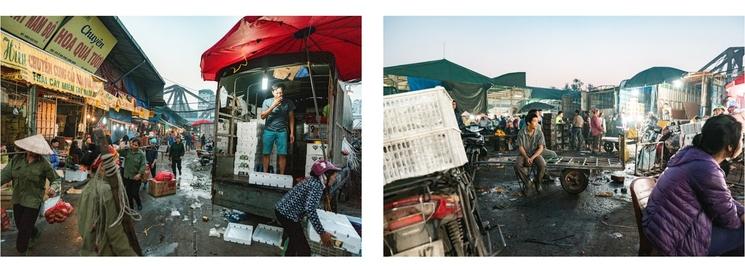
[(59, 212), (164, 176)]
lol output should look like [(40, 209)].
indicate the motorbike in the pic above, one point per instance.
[(474, 144), (205, 154), (434, 215)]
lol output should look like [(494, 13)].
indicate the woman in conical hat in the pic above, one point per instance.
[(29, 174)]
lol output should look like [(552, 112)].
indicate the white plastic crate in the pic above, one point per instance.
[(309, 160), (238, 233), (340, 227), (315, 149), (269, 235), (270, 179), (416, 112), (75, 176), (423, 154)]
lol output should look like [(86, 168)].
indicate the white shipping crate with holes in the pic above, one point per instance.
[(316, 149), (434, 249), (238, 233), (270, 179), (309, 160), (340, 227), (417, 112), (422, 154), (269, 235)]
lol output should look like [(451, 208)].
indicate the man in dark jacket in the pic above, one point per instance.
[(177, 151)]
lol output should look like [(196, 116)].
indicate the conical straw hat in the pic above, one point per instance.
[(35, 144)]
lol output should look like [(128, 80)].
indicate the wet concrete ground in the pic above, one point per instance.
[(160, 233), (554, 222)]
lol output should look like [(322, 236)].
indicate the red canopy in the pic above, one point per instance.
[(201, 122), (254, 37)]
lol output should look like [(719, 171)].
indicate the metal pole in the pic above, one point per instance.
[(313, 89)]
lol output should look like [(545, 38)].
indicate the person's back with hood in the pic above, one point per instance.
[(690, 196)]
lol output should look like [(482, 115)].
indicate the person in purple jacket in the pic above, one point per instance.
[(690, 211)]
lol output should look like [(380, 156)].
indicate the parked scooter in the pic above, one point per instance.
[(434, 215), (205, 154), (474, 144)]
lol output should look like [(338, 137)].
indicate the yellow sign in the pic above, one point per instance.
[(37, 67), (126, 102), (37, 30), (84, 41)]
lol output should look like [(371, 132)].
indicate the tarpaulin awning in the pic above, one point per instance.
[(466, 86), (655, 75), (442, 70), (255, 37)]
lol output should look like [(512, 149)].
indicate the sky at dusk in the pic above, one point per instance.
[(554, 50)]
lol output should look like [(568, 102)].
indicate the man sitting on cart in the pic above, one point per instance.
[(530, 142), (277, 111)]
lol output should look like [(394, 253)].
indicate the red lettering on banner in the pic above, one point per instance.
[(95, 60), (36, 23), (18, 19), (82, 51), (49, 30), (65, 39)]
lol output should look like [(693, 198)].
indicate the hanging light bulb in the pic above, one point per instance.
[(103, 120), (264, 82)]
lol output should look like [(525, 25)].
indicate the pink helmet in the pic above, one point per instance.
[(322, 166)]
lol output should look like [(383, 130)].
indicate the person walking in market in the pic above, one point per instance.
[(29, 174), (301, 202), (176, 152), (134, 171), (280, 118)]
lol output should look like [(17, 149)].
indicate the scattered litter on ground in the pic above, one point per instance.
[(234, 215), (618, 226), (535, 241), (513, 199), (624, 190), (604, 194), (175, 213), (616, 235), (148, 228), (205, 218), (196, 205), (217, 232)]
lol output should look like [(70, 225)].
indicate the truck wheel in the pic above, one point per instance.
[(574, 181), (608, 146)]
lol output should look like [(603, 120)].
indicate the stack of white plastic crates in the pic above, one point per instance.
[(347, 241), (247, 146), (421, 135), (313, 153)]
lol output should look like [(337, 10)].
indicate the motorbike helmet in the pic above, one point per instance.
[(321, 166)]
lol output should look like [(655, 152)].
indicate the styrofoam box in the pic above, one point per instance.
[(422, 154), (269, 235), (315, 149), (270, 179), (340, 227), (416, 112), (75, 176), (242, 171), (238, 233)]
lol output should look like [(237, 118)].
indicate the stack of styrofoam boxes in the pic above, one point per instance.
[(247, 147), (688, 131), (313, 153), (339, 226), (270, 179), (420, 134)]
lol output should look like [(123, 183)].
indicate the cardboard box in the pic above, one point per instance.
[(161, 188), (6, 195)]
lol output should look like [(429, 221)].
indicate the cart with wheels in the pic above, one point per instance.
[(575, 170)]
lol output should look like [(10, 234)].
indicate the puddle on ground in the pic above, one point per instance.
[(161, 250)]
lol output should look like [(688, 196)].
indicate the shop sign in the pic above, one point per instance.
[(37, 30), (40, 68), (84, 41), (125, 102)]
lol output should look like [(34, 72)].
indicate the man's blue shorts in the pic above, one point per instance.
[(268, 139)]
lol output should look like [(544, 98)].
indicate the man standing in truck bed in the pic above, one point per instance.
[(277, 111)]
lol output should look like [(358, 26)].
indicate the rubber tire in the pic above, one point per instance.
[(574, 181)]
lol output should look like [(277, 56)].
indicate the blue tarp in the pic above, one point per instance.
[(416, 83), (134, 91), (122, 115)]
